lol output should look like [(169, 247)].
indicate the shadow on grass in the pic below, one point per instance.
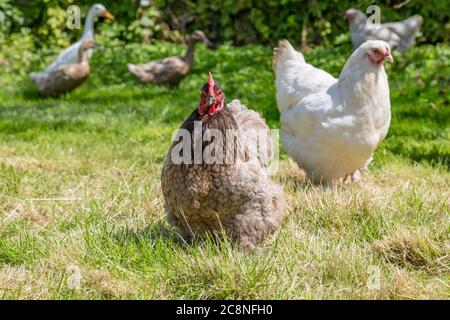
[(156, 232), (160, 232)]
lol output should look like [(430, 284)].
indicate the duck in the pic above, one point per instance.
[(66, 77), (170, 70), (71, 54)]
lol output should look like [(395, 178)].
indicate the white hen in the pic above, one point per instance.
[(331, 127), (399, 34)]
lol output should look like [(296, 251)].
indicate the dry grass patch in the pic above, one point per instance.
[(416, 249)]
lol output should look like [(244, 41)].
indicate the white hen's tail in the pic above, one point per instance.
[(413, 25), (295, 78), (285, 52), (406, 31)]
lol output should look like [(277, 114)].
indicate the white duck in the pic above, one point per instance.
[(71, 54)]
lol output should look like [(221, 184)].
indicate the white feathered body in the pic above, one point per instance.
[(399, 34), (329, 126)]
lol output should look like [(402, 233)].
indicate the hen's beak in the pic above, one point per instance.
[(389, 58), (211, 101), (108, 15)]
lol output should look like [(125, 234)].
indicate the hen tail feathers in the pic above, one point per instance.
[(283, 53)]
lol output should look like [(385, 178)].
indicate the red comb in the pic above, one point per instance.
[(211, 85)]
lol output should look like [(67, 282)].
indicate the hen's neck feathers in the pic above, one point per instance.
[(361, 82)]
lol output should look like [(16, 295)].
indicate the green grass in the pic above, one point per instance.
[(80, 190)]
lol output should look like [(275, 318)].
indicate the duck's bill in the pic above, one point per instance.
[(108, 15)]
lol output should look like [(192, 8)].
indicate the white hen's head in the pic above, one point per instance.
[(371, 55), (355, 17), (377, 52)]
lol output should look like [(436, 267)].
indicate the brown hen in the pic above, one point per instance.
[(222, 184)]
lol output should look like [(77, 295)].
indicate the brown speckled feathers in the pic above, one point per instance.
[(239, 198)]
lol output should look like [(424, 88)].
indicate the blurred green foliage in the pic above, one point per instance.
[(238, 21)]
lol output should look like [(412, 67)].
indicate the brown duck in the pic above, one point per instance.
[(170, 70), (66, 77)]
